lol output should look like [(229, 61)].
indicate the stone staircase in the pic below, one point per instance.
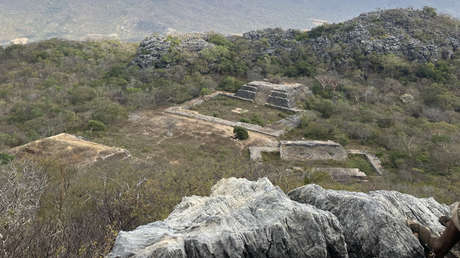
[(282, 98), (276, 95), (247, 92)]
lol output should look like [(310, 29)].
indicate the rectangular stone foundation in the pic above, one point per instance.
[(312, 150)]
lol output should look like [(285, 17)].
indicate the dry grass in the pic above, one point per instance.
[(231, 109), (149, 133), (68, 149)]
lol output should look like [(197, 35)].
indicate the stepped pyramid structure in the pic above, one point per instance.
[(266, 93)]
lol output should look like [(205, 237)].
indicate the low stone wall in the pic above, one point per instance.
[(198, 101), (250, 127), (278, 130), (312, 150), (234, 96), (255, 153), (343, 174), (287, 123), (374, 160), (294, 110)]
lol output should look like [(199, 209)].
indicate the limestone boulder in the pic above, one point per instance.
[(407, 98), (155, 50), (239, 219), (374, 224)]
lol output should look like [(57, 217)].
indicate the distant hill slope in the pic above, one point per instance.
[(133, 20)]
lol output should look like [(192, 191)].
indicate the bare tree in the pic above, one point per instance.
[(328, 82), (21, 187)]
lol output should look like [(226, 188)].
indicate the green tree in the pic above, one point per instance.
[(240, 133), (108, 112), (230, 84), (5, 158), (220, 40), (96, 126)]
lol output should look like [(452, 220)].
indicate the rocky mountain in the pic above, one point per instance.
[(131, 20), (256, 219), (421, 35), (154, 50), (417, 35)]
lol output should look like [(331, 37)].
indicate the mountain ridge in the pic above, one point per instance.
[(132, 21)]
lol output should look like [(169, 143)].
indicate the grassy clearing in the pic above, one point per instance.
[(225, 107)]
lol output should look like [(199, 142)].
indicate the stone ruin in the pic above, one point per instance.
[(343, 174), (266, 93), (68, 149), (303, 151), (312, 150), (319, 150)]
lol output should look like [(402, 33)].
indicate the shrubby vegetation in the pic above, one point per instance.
[(5, 158), (406, 111), (240, 133)]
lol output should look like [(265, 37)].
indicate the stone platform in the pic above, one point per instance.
[(312, 150), (266, 93)]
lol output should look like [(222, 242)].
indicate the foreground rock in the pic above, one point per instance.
[(374, 224), (239, 219)]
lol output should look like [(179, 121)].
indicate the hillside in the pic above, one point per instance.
[(385, 83), (134, 19)]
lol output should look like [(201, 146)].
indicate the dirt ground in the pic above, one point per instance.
[(179, 141), (150, 135), (69, 149), (164, 126)]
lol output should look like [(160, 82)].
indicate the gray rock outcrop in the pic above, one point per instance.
[(374, 224), (158, 50), (239, 219), (275, 39), (256, 219), (399, 32)]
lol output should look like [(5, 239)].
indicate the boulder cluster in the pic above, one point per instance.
[(273, 40), (417, 35), (242, 218), (413, 34), (158, 50)]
